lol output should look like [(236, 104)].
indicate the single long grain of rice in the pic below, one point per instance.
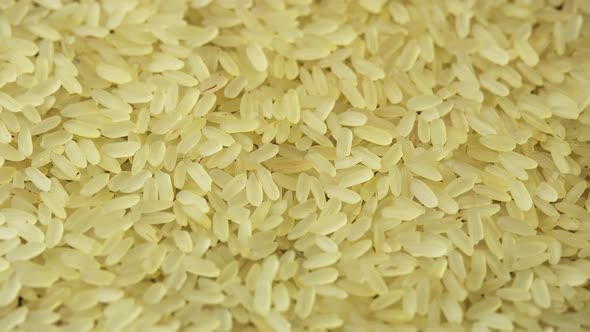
[(289, 165)]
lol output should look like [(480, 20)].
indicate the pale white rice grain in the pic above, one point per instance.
[(403, 209), (352, 93), (232, 125), (368, 68), (257, 57), (9, 103), (25, 252), (40, 180), (423, 193), (121, 149), (121, 203), (113, 73), (235, 87), (520, 195), (199, 175), (423, 102), (374, 135)]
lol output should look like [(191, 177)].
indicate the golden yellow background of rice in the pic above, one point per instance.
[(294, 165)]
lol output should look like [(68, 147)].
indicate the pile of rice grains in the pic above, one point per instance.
[(294, 165)]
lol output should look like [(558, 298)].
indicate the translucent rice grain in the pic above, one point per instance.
[(451, 309), (494, 86), (498, 143), (113, 74), (25, 142), (515, 226), (424, 170), (403, 209), (81, 129), (39, 179), (423, 102), (121, 203), (526, 52), (121, 149), (497, 321), (308, 54), (9, 103), (234, 186), (54, 233), (200, 266), (546, 192), (319, 277), (367, 68), (232, 125), (408, 56), (494, 54), (5, 135), (256, 56), (292, 107), (373, 135), (540, 293), (244, 165), (520, 195), (268, 185), (183, 241), (235, 87), (406, 124), (352, 118), (305, 301), (399, 13), (423, 193), (344, 143), (278, 322), (343, 194), (352, 94), (265, 152), (25, 252), (199, 175), (90, 151)]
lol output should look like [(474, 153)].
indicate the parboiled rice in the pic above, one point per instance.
[(294, 165)]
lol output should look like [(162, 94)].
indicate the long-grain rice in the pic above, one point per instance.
[(294, 165)]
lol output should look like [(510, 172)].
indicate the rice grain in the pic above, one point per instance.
[(290, 165)]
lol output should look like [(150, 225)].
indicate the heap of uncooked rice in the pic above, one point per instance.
[(294, 165)]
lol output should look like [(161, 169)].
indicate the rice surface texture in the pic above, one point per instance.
[(294, 165)]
